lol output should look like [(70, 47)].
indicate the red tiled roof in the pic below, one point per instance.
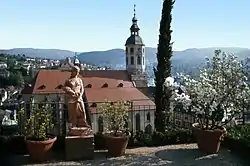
[(49, 81), (114, 94)]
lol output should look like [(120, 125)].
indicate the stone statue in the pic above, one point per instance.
[(76, 111)]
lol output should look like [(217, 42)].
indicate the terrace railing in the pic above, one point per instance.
[(140, 116)]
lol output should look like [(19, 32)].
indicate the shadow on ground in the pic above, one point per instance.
[(172, 157)]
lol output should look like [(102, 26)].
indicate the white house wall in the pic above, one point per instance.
[(132, 120)]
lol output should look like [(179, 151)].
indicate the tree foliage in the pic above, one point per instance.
[(219, 94), (163, 69)]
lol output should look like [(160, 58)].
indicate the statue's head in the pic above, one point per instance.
[(75, 71)]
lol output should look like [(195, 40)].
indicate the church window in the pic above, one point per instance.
[(126, 50), (148, 116), (148, 129), (139, 60), (100, 124), (132, 60), (143, 60), (131, 50), (137, 122)]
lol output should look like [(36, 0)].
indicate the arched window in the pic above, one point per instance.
[(148, 129), (148, 116), (131, 50), (41, 105), (126, 50), (139, 60), (143, 60), (137, 122), (132, 61), (100, 124)]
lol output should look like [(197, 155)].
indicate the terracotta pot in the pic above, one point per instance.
[(40, 150), (208, 141), (116, 145)]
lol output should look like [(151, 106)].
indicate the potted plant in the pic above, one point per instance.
[(215, 98), (39, 142), (115, 118)]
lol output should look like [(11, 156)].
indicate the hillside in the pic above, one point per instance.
[(116, 57), (188, 61), (40, 53)]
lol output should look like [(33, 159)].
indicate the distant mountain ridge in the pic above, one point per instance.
[(188, 61), (116, 57), (40, 53)]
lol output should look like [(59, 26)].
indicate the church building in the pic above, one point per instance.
[(102, 85)]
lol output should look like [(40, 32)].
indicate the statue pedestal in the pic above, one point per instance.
[(80, 131), (79, 147)]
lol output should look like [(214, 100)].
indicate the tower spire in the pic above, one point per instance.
[(134, 20), (134, 28), (76, 61), (134, 10)]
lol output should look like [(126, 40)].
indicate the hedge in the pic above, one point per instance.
[(238, 140), (140, 138)]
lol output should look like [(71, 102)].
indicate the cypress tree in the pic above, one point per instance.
[(163, 69)]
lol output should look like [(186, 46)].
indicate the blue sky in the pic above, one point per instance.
[(88, 25)]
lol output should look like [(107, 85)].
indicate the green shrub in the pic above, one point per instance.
[(171, 136), (240, 133), (238, 140)]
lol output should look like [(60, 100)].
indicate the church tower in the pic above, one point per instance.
[(76, 61), (135, 55)]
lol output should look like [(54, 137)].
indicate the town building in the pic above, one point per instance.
[(4, 73), (103, 85)]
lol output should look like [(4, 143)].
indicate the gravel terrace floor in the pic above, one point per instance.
[(174, 155)]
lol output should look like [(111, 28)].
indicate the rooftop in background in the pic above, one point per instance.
[(111, 85)]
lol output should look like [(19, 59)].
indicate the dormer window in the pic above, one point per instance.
[(59, 86), (120, 85), (42, 87), (105, 85), (88, 86)]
